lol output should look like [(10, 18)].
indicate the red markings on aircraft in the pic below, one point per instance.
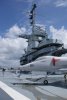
[(54, 60)]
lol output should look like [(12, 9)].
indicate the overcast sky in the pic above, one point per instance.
[(14, 21)]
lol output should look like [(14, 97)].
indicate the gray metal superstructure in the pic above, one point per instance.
[(38, 42)]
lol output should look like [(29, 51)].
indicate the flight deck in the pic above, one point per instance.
[(53, 91), (4, 95)]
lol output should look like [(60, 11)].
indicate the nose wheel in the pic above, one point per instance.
[(45, 82)]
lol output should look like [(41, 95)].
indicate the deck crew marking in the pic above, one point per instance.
[(12, 93)]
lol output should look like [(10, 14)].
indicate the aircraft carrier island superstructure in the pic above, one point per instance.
[(38, 42)]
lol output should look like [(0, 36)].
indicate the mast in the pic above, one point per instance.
[(32, 17)]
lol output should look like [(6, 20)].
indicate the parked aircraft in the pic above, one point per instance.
[(47, 64)]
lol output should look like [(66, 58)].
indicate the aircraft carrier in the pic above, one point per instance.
[(39, 43), (12, 87)]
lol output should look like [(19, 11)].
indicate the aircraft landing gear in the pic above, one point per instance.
[(65, 77), (45, 82)]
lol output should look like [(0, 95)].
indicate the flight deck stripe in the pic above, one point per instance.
[(12, 93)]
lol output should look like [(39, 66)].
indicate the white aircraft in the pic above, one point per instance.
[(46, 63)]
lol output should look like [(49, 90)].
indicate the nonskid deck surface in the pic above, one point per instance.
[(61, 84), (4, 95), (53, 91)]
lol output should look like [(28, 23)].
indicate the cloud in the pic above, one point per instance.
[(30, 1), (14, 31), (59, 34), (57, 3), (61, 3), (44, 2), (12, 47)]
